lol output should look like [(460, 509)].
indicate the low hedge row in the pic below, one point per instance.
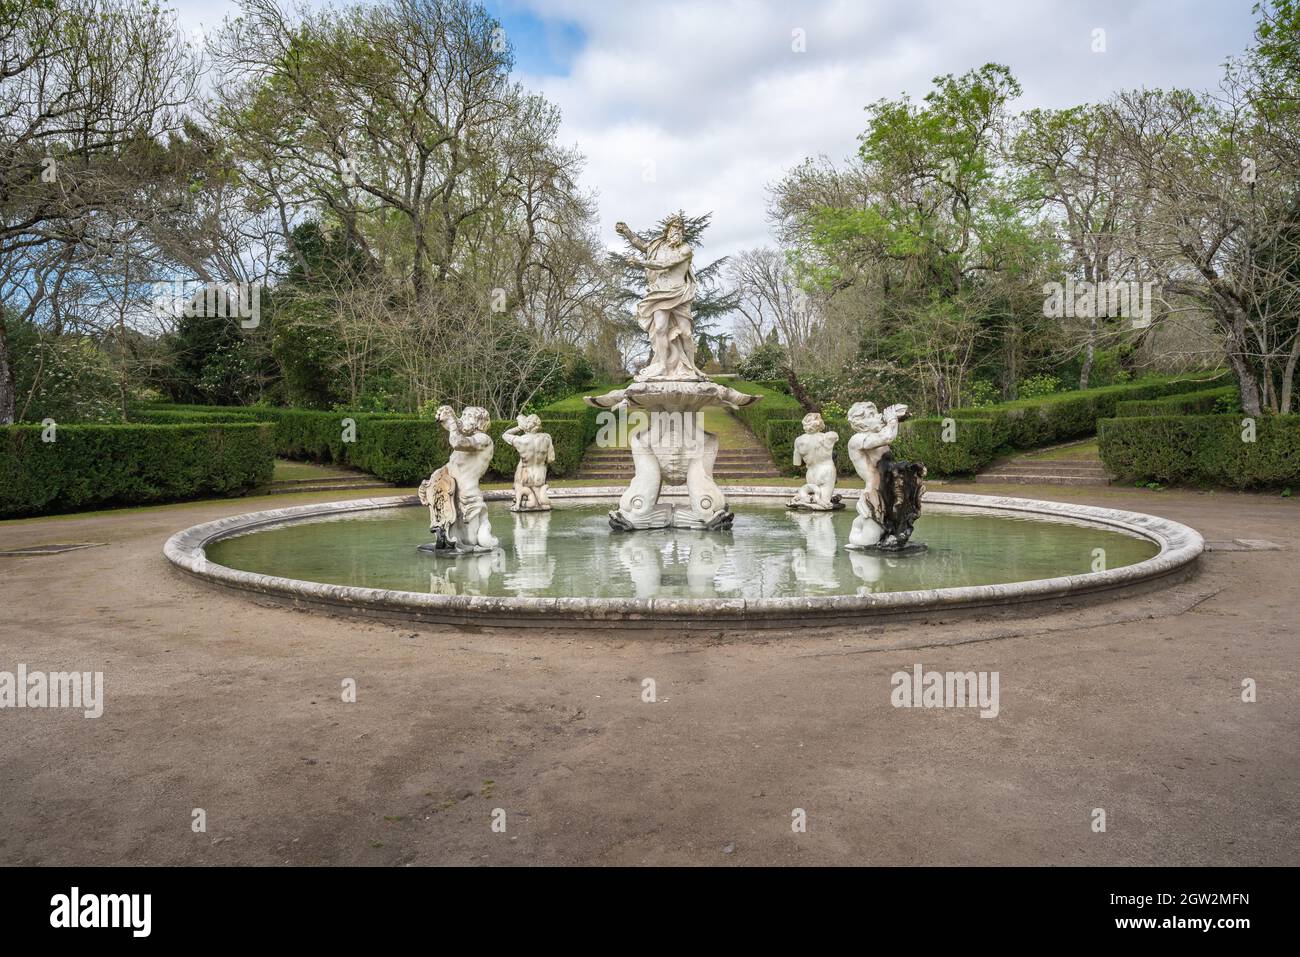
[(979, 434), (91, 465), (1031, 423), (195, 416), (972, 444), (1203, 449), (395, 447), (1206, 402), (406, 451), (772, 406)]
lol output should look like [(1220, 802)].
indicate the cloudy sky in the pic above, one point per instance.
[(700, 104)]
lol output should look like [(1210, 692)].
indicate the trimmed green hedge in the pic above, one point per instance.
[(395, 447), (194, 416), (406, 451), (919, 440), (773, 405), (974, 444), (90, 465), (777, 421), (1031, 423), (1203, 450), (1189, 403)]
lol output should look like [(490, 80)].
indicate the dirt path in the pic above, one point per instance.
[(213, 702)]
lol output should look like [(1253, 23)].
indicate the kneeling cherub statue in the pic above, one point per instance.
[(816, 449), (536, 451)]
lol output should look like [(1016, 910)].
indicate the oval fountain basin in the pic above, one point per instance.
[(775, 568), (771, 553)]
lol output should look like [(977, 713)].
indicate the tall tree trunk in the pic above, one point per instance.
[(1089, 354), (1288, 376), (8, 388), (797, 390), (1247, 383), (1247, 380)]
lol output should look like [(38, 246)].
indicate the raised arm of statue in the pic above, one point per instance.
[(460, 442), (636, 241)]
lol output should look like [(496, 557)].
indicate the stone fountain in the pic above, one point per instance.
[(671, 394), (553, 572)]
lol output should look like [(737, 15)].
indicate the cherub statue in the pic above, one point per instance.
[(457, 512), (891, 499), (816, 449), (665, 312), (536, 451)]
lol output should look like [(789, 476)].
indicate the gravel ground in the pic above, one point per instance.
[(212, 701)]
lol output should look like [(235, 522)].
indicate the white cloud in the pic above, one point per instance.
[(714, 95)]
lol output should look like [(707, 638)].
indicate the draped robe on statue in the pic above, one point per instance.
[(670, 290)]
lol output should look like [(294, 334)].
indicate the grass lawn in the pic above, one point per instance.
[(290, 471), (1083, 450), (731, 432)]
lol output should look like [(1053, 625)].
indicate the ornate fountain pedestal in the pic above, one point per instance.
[(670, 447)]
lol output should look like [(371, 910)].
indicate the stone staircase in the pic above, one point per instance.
[(1063, 465), (615, 465)]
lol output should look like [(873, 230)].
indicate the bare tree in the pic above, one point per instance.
[(1220, 225)]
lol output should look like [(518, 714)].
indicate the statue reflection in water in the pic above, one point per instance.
[(904, 573), (534, 570), (470, 575), (814, 564), (870, 568), (682, 566)]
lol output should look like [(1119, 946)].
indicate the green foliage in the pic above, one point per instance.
[(974, 445), (68, 378), (214, 360), (1038, 386), (768, 361), (773, 405), (981, 393), (394, 447), (558, 373), (93, 465), (1206, 402), (1031, 423), (198, 415), (1202, 450)]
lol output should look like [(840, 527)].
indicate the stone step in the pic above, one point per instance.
[(626, 462), (326, 480), (620, 455), (1026, 469), (278, 489), (1044, 478), (717, 474)]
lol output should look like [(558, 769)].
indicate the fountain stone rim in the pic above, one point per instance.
[(1180, 547)]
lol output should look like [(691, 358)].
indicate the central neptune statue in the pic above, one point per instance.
[(665, 312), (673, 449)]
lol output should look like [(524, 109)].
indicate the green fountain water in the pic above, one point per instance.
[(772, 553)]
